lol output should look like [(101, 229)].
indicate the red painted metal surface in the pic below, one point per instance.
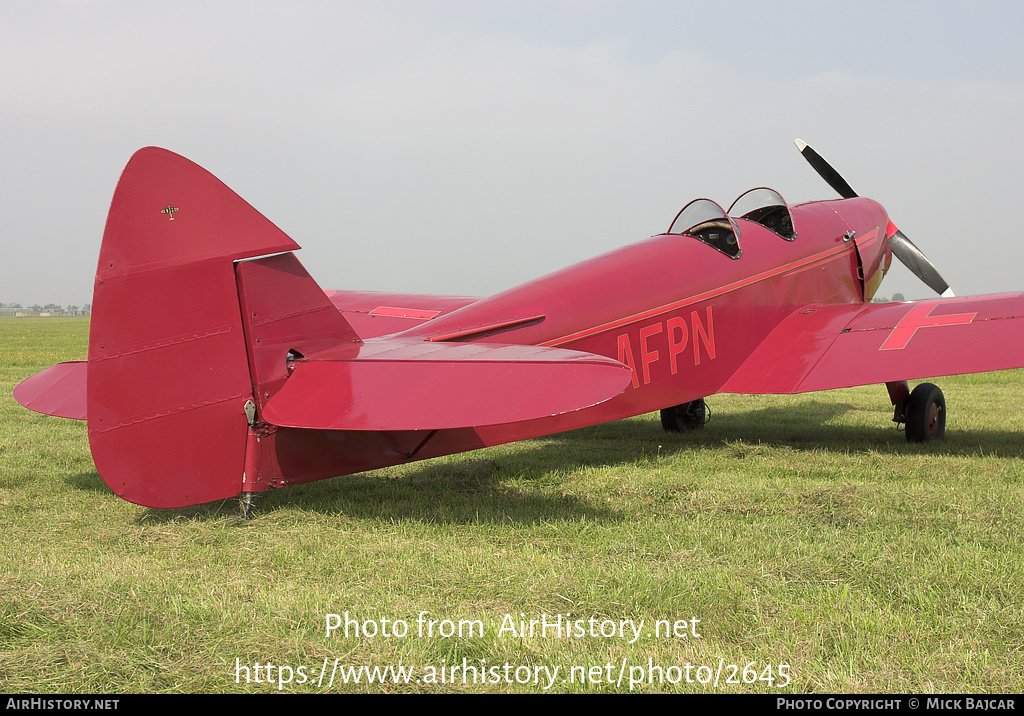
[(284, 312), (59, 390), (396, 385), (844, 346), (168, 373), (360, 309), (396, 312), (213, 372)]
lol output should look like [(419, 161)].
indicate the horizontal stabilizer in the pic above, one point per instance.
[(59, 391), (400, 385)]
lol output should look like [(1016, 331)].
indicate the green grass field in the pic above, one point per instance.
[(819, 551)]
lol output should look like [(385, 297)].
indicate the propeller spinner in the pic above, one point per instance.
[(902, 247)]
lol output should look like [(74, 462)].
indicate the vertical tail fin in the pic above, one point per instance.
[(169, 364)]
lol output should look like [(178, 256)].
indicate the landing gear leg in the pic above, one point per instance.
[(686, 417), (899, 394)]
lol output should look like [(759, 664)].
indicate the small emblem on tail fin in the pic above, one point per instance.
[(169, 210)]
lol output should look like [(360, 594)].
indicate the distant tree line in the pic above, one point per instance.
[(896, 298), (50, 309)]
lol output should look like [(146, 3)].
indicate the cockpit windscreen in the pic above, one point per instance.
[(705, 220), (767, 208)]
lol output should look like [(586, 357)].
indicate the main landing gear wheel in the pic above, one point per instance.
[(686, 417), (926, 414)]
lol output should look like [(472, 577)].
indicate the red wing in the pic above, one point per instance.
[(402, 385), (820, 347)]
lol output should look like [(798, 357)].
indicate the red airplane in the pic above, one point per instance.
[(217, 367)]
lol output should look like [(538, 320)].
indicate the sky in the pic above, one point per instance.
[(463, 147)]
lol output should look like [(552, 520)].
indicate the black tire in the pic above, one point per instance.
[(926, 414), (685, 418)]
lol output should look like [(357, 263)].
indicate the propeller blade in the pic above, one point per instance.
[(825, 170), (911, 257), (902, 247)]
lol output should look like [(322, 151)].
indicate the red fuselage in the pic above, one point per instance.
[(682, 315)]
